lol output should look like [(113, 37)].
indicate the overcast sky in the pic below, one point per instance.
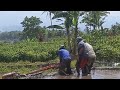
[(10, 18)]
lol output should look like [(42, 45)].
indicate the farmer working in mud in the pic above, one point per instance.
[(65, 61), (86, 57)]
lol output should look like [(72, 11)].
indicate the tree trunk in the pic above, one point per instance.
[(68, 35), (50, 19), (75, 43), (47, 35)]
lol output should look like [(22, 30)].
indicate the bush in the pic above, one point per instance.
[(29, 51), (107, 48)]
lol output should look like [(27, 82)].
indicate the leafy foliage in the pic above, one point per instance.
[(94, 19), (31, 27), (107, 48), (28, 50)]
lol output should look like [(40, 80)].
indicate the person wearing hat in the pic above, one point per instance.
[(65, 61), (86, 57)]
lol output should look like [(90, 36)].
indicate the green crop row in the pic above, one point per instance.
[(106, 48), (29, 51)]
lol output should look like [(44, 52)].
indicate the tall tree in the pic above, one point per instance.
[(115, 29), (95, 18), (68, 22), (75, 18), (71, 19), (31, 27), (50, 16)]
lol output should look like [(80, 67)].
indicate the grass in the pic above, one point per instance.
[(73, 62), (21, 67), (24, 67)]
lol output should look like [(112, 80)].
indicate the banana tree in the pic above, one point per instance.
[(50, 16), (95, 18), (75, 18), (67, 23)]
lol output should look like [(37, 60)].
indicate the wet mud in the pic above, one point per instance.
[(97, 74)]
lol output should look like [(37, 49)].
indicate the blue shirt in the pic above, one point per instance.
[(64, 54)]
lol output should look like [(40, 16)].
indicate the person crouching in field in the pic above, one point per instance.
[(86, 57), (65, 61)]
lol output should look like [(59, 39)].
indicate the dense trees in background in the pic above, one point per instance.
[(12, 36), (115, 29), (32, 29), (16, 36), (93, 20)]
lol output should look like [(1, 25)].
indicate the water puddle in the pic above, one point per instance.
[(98, 74)]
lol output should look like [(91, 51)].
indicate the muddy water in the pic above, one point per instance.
[(106, 74), (98, 74)]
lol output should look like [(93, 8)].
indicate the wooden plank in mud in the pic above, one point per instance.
[(12, 75)]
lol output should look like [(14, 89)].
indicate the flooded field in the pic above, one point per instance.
[(98, 74), (105, 73)]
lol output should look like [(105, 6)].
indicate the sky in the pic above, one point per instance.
[(11, 18)]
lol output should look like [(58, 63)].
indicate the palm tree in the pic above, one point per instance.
[(95, 18), (71, 19), (68, 22), (50, 16)]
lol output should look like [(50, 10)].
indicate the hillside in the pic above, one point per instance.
[(11, 28)]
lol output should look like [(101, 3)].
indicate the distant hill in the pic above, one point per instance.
[(11, 28)]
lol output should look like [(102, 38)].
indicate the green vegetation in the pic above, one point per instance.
[(18, 56), (36, 44), (22, 67), (30, 51), (107, 48), (44, 51)]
